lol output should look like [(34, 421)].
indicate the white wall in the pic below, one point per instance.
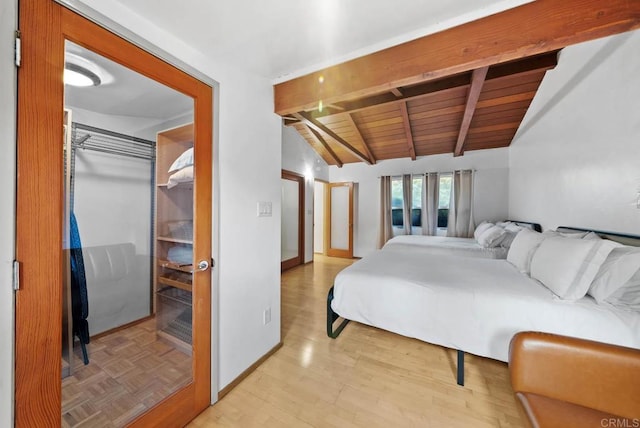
[(576, 158), (298, 156), (491, 187), (8, 18)]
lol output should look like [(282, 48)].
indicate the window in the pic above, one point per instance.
[(397, 198), (396, 202), (444, 197)]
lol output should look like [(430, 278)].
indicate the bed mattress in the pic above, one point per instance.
[(475, 305), (467, 247)]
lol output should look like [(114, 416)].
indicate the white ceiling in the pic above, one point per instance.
[(281, 39)]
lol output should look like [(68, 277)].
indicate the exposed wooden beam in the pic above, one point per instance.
[(314, 124), (358, 136), (396, 92), (477, 81), (533, 28), (407, 129), (521, 67), (318, 139)]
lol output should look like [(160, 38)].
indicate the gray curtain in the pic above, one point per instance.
[(430, 194), (407, 200), (385, 231), (460, 222)]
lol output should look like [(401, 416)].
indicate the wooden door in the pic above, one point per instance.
[(45, 27), (340, 220), (292, 227)]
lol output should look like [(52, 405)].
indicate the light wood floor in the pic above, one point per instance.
[(365, 378)]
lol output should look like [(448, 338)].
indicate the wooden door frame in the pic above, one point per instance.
[(331, 252), (296, 261), (39, 220)]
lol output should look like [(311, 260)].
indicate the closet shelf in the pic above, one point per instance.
[(175, 266), (174, 283), (186, 185), (176, 295), (175, 240)]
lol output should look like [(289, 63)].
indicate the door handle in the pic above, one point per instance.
[(203, 265)]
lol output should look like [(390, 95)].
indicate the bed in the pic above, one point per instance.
[(474, 306), (467, 247)]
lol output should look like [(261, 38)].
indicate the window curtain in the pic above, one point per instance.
[(430, 194), (407, 201), (385, 231), (460, 222)]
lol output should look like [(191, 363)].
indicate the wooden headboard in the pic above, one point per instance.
[(622, 238)]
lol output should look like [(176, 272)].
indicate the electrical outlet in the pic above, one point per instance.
[(266, 319)]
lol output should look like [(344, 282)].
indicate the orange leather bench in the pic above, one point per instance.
[(564, 382)]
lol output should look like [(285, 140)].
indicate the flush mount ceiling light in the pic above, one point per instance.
[(76, 75)]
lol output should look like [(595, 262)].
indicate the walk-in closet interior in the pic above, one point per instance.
[(127, 318)]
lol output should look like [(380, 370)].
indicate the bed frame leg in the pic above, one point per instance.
[(461, 368), (331, 317)]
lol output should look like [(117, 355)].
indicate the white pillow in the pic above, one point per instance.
[(627, 296), (592, 235), (185, 159), (567, 266), (512, 227), (522, 249), (572, 235), (491, 237), (183, 176), (481, 228), (508, 238), (621, 264)]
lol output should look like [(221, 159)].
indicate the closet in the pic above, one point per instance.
[(174, 236)]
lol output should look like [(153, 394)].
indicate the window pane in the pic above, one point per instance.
[(445, 191), (396, 202), (396, 193), (416, 194)]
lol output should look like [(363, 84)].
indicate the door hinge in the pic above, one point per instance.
[(18, 49), (16, 275)]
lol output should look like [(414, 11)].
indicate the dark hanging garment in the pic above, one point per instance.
[(79, 301)]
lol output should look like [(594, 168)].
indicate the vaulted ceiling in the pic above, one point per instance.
[(465, 88), (480, 109)]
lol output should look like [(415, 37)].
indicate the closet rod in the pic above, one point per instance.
[(105, 141)]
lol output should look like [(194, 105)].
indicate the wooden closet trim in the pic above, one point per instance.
[(296, 261)]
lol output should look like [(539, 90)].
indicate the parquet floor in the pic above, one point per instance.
[(129, 372), (365, 378)]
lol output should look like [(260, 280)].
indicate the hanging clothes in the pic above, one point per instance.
[(79, 300)]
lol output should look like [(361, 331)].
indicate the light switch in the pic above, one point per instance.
[(264, 209)]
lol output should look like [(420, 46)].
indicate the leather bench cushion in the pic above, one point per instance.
[(544, 412)]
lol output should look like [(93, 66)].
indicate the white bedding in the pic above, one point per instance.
[(467, 247), (475, 306)]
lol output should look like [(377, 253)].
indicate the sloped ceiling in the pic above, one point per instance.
[(481, 109)]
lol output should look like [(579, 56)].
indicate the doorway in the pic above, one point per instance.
[(292, 220), (74, 255)]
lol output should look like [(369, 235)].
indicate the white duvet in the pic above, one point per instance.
[(472, 304), (467, 247)]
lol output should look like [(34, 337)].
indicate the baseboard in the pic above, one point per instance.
[(224, 391)]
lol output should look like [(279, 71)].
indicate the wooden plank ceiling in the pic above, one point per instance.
[(481, 109), (465, 88)]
